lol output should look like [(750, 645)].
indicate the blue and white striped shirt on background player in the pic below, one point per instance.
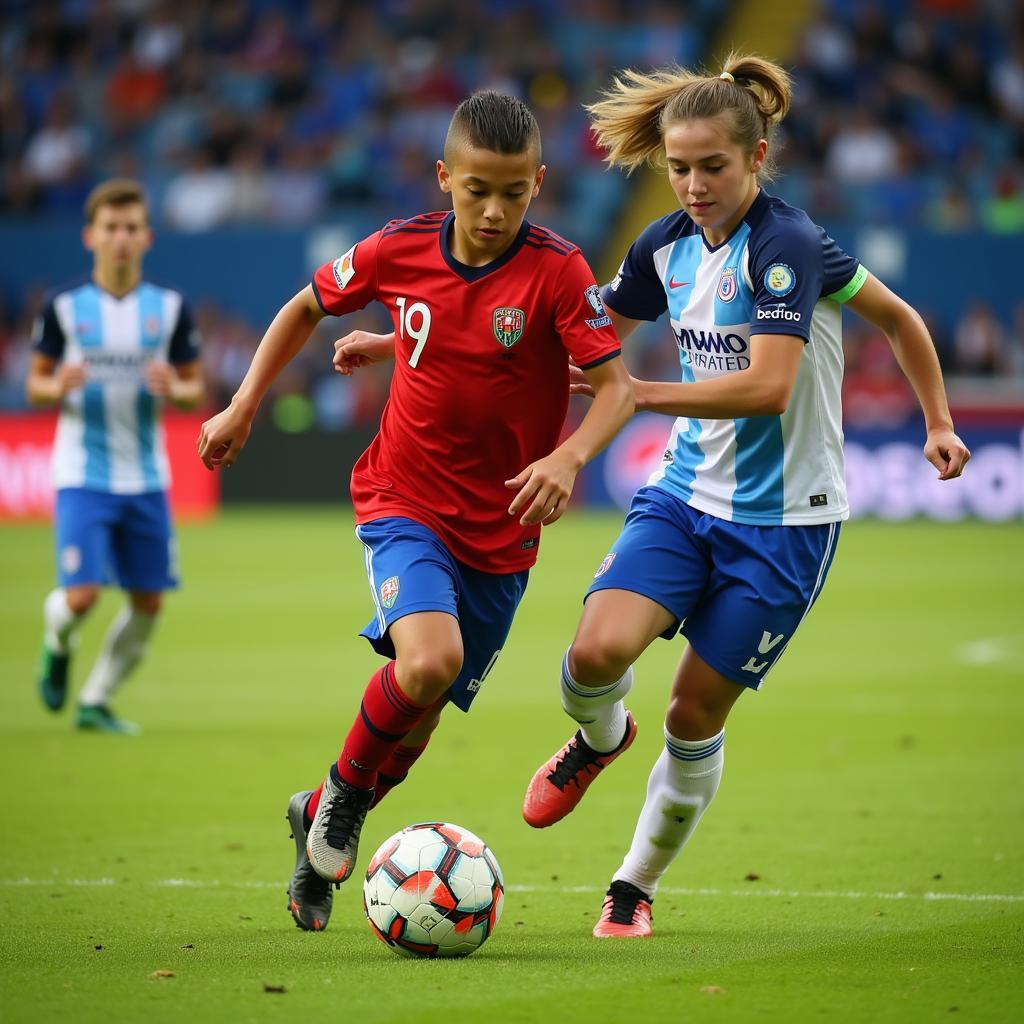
[(109, 435), (778, 273)]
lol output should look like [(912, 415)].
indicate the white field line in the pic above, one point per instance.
[(790, 894)]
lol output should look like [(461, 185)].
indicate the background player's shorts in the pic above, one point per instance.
[(409, 570), (738, 592), (124, 538)]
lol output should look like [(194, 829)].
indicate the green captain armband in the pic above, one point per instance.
[(855, 284)]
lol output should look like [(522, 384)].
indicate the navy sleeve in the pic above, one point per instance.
[(47, 335), (184, 347), (787, 274), (636, 290), (843, 274)]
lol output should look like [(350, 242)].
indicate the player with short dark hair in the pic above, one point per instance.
[(451, 494), (732, 539), (111, 351)]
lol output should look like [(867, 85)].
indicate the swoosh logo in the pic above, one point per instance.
[(673, 283)]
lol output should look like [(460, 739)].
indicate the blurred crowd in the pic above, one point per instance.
[(910, 113), (907, 112)]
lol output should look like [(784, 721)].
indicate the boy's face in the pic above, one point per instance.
[(490, 195), (118, 236)]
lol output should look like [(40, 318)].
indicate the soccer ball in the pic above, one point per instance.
[(433, 889)]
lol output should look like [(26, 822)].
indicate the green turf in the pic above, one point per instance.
[(877, 775)]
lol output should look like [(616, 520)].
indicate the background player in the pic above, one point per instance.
[(732, 539), (452, 493), (111, 350)]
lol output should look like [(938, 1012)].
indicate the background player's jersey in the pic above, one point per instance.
[(778, 273), (109, 435), (480, 386)]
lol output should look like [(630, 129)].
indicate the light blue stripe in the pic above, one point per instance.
[(760, 451), (151, 323), (683, 264), (85, 307), (737, 310)]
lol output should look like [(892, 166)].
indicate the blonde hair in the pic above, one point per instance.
[(751, 96)]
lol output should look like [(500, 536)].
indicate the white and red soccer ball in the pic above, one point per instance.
[(433, 889)]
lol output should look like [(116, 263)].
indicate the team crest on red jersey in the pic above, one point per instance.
[(508, 324), (389, 591)]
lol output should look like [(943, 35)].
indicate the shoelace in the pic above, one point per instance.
[(345, 816), (625, 897), (577, 758)]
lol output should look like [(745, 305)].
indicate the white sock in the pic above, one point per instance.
[(123, 648), (59, 621), (683, 782), (599, 710)]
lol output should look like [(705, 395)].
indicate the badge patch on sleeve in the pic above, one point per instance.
[(779, 279), (345, 268), (601, 317)]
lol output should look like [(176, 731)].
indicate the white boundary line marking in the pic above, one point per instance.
[(795, 894)]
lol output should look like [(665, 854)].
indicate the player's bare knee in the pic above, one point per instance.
[(81, 599), (596, 658), (425, 675)]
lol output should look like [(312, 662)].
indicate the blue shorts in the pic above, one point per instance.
[(738, 593), (124, 538), (409, 570)]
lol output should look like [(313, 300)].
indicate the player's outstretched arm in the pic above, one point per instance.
[(915, 352), (49, 380), (544, 486), (361, 348), (223, 437)]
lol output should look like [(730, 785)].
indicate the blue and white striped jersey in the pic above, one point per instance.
[(778, 273), (109, 435)]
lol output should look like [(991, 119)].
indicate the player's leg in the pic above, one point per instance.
[(395, 768), (412, 578), (681, 785), (616, 627), (643, 589), (81, 530), (124, 646), (764, 581), (143, 553)]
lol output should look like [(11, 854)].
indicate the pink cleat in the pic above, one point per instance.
[(626, 913), (559, 784)]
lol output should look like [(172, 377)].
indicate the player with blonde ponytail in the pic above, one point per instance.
[(732, 538)]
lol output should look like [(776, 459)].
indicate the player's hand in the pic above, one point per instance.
[(158, 376), (222, 438), (69, 376), (360, 348), (947, 453), (544, 488), (578, 383)]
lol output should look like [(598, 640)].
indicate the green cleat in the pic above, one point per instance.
[(53, 678), (100, 718)]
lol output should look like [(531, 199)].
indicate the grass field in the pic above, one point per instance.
[(863, 860)]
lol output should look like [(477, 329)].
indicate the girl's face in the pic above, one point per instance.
[(714, 179)]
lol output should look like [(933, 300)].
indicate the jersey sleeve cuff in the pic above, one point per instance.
[(600, 360), (319, 301), (852, 287)]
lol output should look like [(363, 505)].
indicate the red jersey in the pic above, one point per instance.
[(480, 387)]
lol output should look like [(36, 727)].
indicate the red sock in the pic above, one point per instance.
[(395, 769), (385, 717)]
